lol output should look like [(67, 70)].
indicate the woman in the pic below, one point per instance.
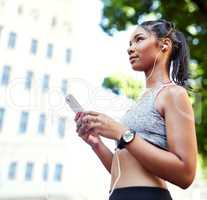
[(156, 138)]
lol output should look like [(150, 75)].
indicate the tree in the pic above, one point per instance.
[(120, 84), (190, 17)]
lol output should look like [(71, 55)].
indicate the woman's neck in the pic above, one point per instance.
[(157, 79)]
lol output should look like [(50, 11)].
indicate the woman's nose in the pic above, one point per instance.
[(130, 50)]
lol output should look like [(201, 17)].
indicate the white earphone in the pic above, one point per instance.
[(163, 47)]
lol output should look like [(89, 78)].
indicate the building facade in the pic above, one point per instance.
[(40, 158), (35, 66)]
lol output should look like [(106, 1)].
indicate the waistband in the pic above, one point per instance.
[(135, 188), (140, 192)]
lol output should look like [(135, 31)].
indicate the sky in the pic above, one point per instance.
[(96, 54)]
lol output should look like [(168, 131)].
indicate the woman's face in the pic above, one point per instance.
[(143, 49)]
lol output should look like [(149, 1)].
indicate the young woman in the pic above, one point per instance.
[(156, 138)]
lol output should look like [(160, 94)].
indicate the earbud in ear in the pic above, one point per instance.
[(163, 47)]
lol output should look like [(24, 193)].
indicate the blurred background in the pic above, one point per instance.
[(50, 48)]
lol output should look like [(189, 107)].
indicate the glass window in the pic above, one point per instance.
[(33, 49), (58, 172), (28, 82), (12, 40), (61, 126), (29, 171), (54, 22), (2, 111), (5, 75), (45, 173), (34, 13), (20, 9), (68, 55), (42, 121), (23, 122), (12, 170), (64, 86), (45, 83), (49, 51)]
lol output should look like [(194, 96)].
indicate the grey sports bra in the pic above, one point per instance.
[(146, 120)]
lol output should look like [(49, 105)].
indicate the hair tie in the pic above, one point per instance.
[(170, 31)]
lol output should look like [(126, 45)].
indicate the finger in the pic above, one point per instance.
[(78, 124), (88, 118), (82, 114), (77, 116), (94, 113), (78, 127), (81, 130), (79, 120), (85, 136), (95, 126)]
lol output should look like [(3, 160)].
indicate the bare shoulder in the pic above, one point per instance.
[(170, 95), (175, 92), (177, 88), (176, 97)]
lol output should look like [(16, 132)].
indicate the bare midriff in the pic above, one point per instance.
[(133, 173)]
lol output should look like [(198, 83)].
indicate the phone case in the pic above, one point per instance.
[(73, 103)]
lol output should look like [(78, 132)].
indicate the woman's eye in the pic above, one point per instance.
[(138, 39)]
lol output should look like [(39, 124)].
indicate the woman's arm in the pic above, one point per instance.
[(94, 140), (177, 166), (104, 154)]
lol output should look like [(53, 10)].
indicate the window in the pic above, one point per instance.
[(54, 22), (61, 127), (64, 86), (2, 111), (12, 171), (49, 51), (45, 83), (12, 40), (33, 49), (5, 75), (42, 121), (28, 82), (58, 172), (23, 122), (2, 3), (35, 14), (20, 9), (45, 172), (29, 171), (67, 26), (68, 55)]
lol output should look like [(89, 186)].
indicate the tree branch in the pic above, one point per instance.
[(202, 6)]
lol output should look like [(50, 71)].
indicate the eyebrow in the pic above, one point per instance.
[(138, 34)]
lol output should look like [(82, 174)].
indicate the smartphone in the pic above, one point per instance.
[(73, 103)]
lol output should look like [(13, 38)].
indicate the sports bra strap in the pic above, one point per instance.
[(161, 88)]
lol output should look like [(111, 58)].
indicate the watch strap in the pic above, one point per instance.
[(122, 143)]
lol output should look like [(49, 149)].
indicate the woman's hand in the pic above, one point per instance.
[(89, 137), (101, 124)]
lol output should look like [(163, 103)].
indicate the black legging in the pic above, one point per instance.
[(140, 193)]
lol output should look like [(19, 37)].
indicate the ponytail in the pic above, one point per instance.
[(180, 59)]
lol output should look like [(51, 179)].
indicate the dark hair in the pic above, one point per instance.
[(180, 50)]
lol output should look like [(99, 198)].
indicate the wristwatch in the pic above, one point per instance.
[(126, 138)]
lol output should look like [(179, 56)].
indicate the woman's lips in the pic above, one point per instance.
[(133, 59)]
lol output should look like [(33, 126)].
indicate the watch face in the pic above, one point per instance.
[(128, 136)]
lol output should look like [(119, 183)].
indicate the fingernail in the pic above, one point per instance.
[(76, 116)]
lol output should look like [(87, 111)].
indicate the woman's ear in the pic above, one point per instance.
[(163, 47), (165, 44)]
